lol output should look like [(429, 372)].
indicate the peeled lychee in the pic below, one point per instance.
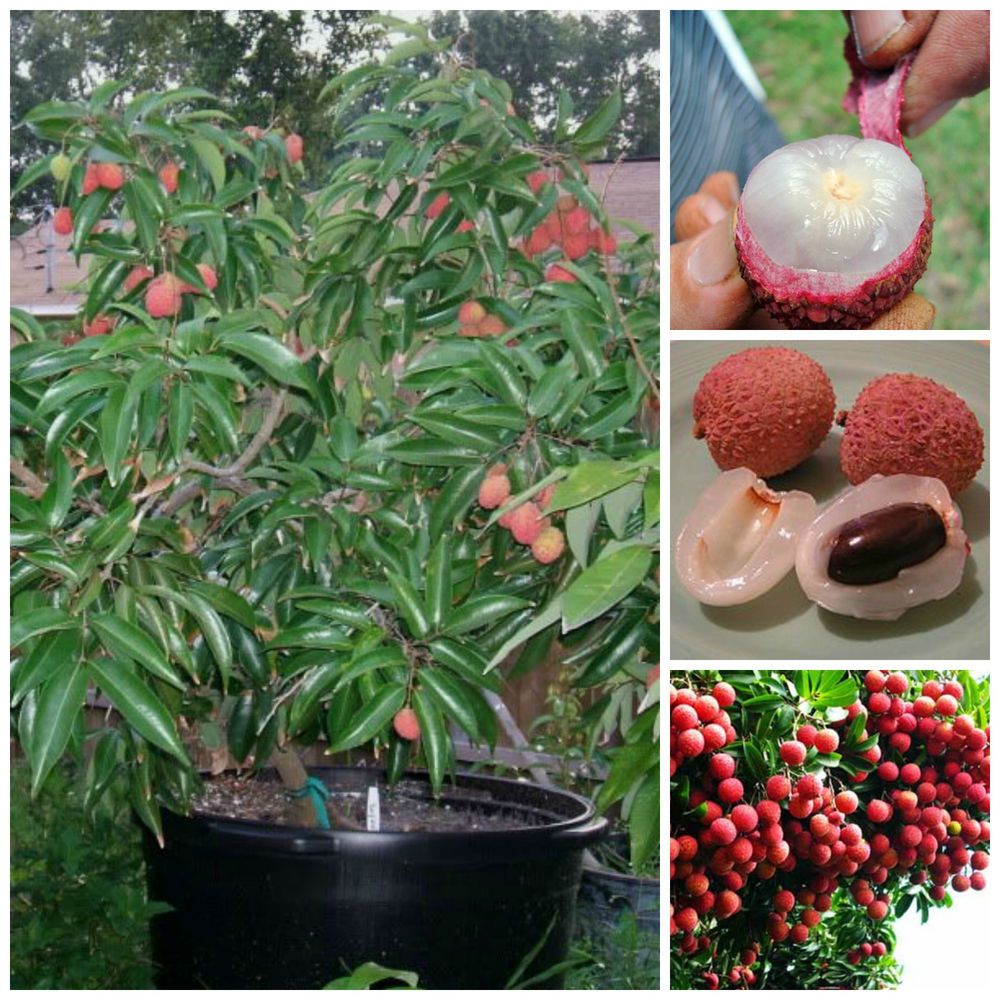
[(765, 409), (406, 724), (526, 523), (548, 546), (163, 296), (910, 424), (832, 232), (494, 491), (62, 221)]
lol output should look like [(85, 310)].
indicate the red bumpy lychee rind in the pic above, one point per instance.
[(406, 724), (766, 409), (814, 300), (911, 424)]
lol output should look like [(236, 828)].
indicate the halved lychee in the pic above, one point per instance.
[(832, 232)]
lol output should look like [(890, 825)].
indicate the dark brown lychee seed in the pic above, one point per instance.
[(874, 548)]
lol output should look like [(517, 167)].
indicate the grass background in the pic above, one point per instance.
[(798, 56)]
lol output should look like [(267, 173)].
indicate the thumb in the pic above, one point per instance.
[(706, 290)]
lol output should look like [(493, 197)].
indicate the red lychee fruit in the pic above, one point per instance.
[(294, 146), (721, 766), (808, 786), (90, 180), (136, 277), (169, 173), (793, 753), (493, 492), (778, 788), (604, 243), (846, 802), (556, 273), (946, 705), (806, 735), (911, 424), (471, 312), (726, 904), (406, 724), (878, 811), (98, 326), (691, 743), (526, 523), (163, 296), (576, 247), (255, 132), (724, 694), (110, 176), (827, 741), (576, 222), (743, 399), (548, 546), (832, 232), (62, 221), (492, 326), (437, 206), (730, 790)]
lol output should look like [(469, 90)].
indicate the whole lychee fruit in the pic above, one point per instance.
[(60, 166), (832, 232), (778, 787), (548, 546), (136, 277), (163, 296), (604, 243), (169, 173), (494, 491), (690, 743), (62, 221), (827, 741), (406, 724), (208, 276), (294, 146), (110, 176), (792, 752), (576, 246), (437, 206), (911, 424), (556, 273), (90, 180), (526, 523), (98, 326), (538, 241), (765, 408)]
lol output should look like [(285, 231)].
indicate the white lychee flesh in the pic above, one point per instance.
[(836, 204), (930, 580), (740, 539)]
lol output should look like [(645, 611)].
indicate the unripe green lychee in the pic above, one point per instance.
[(60, 166)]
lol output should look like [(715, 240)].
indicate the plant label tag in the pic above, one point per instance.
[(373, 815)]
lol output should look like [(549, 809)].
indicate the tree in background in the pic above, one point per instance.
[(265, 65)]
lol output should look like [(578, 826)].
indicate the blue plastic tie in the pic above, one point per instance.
[(319, 793)]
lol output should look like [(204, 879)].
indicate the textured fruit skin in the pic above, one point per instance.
[(163, 296), (766, 409), (827, 741), (793, 753), (778, 787), (62, 221), (556, 273), (169, 173), (294, 147), (810, 300), (110, 176), (60, 166), (526, 523), (548, 546), (911, 424), (406, 724), (493, 492), (471, 312)]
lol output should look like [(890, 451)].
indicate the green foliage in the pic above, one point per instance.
[(260, 511), (628, 960), (79, 915)]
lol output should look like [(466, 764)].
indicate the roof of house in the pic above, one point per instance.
[(45, 279)]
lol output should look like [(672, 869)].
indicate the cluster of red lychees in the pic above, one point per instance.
[(920, 811)]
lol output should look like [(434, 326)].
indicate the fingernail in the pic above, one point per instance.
[(712, 209), (924, 122), (873, 28), (714, 258)]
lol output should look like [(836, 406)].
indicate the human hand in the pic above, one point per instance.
[(952, 56), (706, 289)]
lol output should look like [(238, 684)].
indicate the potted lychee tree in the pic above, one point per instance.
[(307, 469)]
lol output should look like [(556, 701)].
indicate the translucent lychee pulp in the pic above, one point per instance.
[(836, 204)]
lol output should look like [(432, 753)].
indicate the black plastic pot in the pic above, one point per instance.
[(264, 906), (605, 895)]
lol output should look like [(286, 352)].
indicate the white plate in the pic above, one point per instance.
[(784, 624)]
